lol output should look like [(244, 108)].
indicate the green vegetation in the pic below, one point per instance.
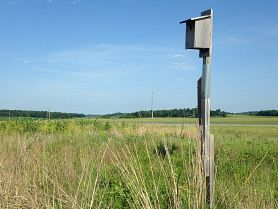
[(191, 113), (229, 120), (262, 113), (115, 163), (38, 114)]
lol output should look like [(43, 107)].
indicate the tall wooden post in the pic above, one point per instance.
[(199, 36)]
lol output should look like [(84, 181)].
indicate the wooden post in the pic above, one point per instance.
[(211, 179), (207, 138), (199, 36)]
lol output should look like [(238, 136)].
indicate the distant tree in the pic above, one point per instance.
[(39, 114), (267, 113), (166, 113)]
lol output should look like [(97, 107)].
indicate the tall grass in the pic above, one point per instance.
[(92, 164)]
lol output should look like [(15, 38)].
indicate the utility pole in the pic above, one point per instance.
[(152, 104), (199, 36), (49, 114)]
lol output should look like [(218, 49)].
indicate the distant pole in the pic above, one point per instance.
[(9, 114), (152, 104), (49, 114)]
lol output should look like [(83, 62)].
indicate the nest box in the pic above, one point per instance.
[(199, 32)]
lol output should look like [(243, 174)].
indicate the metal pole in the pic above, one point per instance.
[(48, 114), (199, 100), (152, 104), (206, 136)]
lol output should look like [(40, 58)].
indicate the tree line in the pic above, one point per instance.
[(193, 113), (262, 113), (39, 114)]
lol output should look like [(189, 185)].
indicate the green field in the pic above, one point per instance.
[(135, 163), (231, 119)]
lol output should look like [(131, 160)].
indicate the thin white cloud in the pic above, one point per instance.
[(177, 55), (11, 2), (15, 57), (111, 62), (75, 1), (232, 40), (181, 63), (270, 28), (43, 69), (14, 2), (26, 61)]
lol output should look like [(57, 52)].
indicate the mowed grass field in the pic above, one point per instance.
[(135, 163), (230, 119)]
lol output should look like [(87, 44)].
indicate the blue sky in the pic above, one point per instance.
[(99, 56)]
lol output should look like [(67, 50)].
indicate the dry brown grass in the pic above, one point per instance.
[(31, 177), (117, 167), (46, 171)]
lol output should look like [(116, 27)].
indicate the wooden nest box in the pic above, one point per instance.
[(199, 32)]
